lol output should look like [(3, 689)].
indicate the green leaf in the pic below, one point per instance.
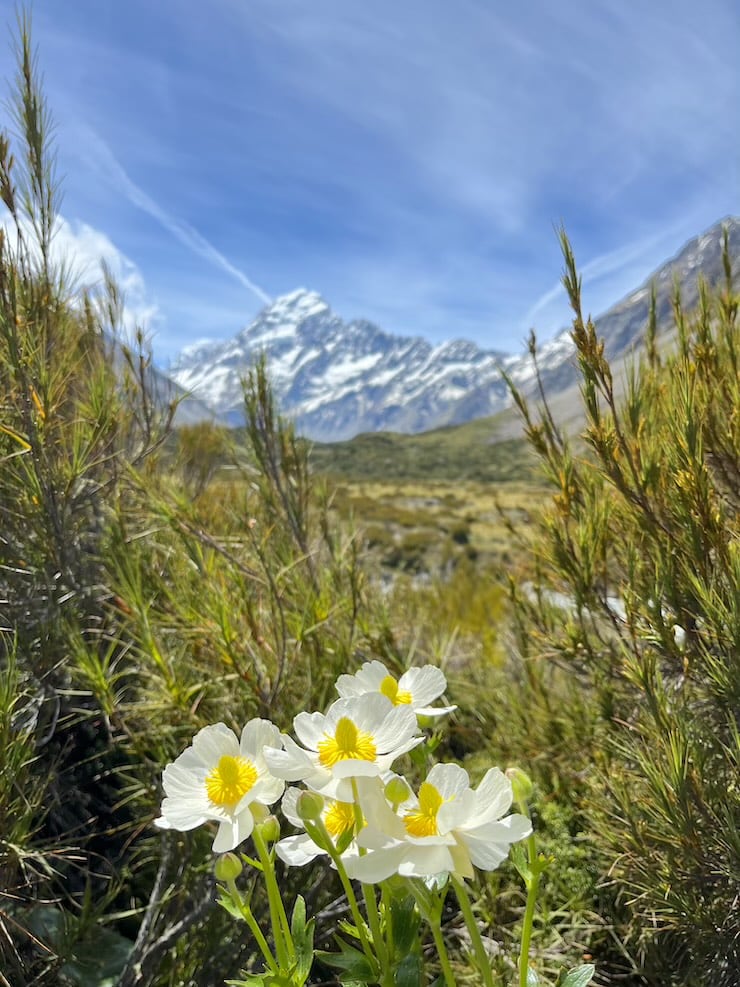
[(579, 976), (409, 972), (227, 902), (518, 857), (302, 933), (305, 953), (348, 929), (352, 961), (405, 923), (298, 918)]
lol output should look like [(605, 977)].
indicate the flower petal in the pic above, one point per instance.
[(179, 815), (353, 767), (434, 710), (397, 727), (457, 813), (494, 795), (489, 845), (367, 712), (311, 729), (297, 850), (258, 734), (367, 679), (267, 789), (213, 741), (425, 684), (225, 838), (289, 806), (375, 866), (427, 860), (292, 763), (450, 780)]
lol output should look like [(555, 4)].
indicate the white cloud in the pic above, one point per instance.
[(81, 250), (84, 250)]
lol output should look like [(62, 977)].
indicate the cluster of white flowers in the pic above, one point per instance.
[(344, 758)]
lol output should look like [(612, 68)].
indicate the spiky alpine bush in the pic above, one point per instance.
[(630, 629)]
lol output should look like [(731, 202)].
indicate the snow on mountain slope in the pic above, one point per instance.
[(336, 378)]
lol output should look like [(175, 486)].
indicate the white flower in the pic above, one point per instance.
[(358, 737), (220, 778), (339, 819), (449, 828), (416, 688)]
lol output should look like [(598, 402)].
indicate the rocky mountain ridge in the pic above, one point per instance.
[(337, 379)]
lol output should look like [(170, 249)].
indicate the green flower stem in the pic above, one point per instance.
[(368, 893), (433, 918), (280, 925), (536, 869), (371, 907), (251, 921), (318, 833), (444, 959), (479, 949)]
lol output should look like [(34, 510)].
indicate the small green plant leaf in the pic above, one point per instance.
[(579, 976), (302, 933), (519, 858), (298, 919), (409, 972), (354, 963), (405, 921)]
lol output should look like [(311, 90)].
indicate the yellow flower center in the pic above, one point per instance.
[(389, 688), (230, 780), (348, 743), (423, 821), (340, 818)]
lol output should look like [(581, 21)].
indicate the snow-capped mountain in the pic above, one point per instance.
[(336, 378), (339, 378)]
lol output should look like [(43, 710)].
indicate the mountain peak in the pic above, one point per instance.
[(295, 306), (337, 378)]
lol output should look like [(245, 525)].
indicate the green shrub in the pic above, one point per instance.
[(631, 626)]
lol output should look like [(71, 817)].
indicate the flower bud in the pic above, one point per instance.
[(270, 829), (397, 790), (679, 636), (309, 806), (521, 784), (228, 867)]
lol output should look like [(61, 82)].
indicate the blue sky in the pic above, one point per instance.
[(407, 159)]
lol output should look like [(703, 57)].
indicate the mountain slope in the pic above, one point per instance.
[(338, 379)]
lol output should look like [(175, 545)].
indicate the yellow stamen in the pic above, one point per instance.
[(230, 780), (340, 818), (389, 688), (348, 743), (423, 822)]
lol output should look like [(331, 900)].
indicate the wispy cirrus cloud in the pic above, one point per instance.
[(607, 277), (408, 161), (187, 235)]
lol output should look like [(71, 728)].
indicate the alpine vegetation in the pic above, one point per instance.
[(404, 849), (230, 753)]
